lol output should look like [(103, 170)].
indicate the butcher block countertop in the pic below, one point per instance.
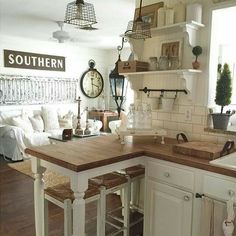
[(84, 154)]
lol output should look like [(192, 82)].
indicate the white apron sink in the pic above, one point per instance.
[(228, 161)]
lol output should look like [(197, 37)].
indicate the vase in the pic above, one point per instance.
[(196, 65), (220, 121)]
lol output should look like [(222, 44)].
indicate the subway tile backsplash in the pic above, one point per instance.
[(175, 121)]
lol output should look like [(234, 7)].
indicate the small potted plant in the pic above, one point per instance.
[(197, 50), (223, 97)]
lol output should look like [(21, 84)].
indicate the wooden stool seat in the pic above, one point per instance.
[(109, 180), (134, 171), (62, 196), (61, 192)]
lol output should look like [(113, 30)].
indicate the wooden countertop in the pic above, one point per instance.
[(84, 154)]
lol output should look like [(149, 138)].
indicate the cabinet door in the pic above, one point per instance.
[(169, 210)]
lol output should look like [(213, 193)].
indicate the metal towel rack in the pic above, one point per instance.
[(147, 90), (231, 194)]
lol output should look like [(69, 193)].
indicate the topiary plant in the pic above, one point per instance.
[(197, 50), (223, 87)]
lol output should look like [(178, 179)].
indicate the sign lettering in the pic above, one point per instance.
[(33, 61)]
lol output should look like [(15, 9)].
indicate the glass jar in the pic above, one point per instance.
[(163, 63), (153, 63), (131, 117), (174, 63)]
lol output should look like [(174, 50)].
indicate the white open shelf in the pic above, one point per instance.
[(180, 71), (176, 27)]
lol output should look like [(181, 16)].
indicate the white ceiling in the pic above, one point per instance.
[(36, 19)]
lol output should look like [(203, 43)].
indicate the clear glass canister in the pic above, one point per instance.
[(174, 63), (152, 63), (131, 117), (163, 63)]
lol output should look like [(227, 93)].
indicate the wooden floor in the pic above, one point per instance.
[(17, 207)]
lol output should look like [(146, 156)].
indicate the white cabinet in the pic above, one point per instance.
[(169, 210)]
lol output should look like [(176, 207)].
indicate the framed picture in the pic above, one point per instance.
[(171, 49), (149, 13)]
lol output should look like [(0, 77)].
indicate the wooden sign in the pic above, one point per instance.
[(33, 61)]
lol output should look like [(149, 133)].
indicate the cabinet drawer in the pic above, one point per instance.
[(171, 175), (217, 187)]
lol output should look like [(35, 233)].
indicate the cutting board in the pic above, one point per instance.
[(203, 150)]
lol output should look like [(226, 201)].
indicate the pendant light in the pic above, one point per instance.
[(80, 13), (138, 29)]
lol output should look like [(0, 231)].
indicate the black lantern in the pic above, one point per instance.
[(117, 84)]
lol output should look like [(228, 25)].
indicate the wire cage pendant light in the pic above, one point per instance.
[(80, 13), (138, 29)]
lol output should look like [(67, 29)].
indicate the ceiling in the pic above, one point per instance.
[(37, 20)]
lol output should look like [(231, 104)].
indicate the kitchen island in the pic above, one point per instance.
[(86, 158)]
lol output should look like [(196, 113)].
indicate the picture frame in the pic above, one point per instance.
[(149, 13), (171, 49)]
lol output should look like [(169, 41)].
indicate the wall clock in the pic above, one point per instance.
[(91, 82)]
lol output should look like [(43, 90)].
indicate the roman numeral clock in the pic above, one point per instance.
[(91, 82)]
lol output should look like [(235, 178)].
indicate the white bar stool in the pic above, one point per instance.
[(135, 175), (62, 196), (111, 183)]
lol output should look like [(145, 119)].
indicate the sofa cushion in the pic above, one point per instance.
[(6, 116), (50, 118), (36, 139), (66, 120), (37, 123), (22, 122)]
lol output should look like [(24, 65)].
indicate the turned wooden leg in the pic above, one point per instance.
[(38, 196), (79, 185)]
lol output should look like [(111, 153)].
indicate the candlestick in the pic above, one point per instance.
[(79, 130)]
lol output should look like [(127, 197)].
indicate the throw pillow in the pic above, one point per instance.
[(66, 120), (37, 123), (23, 122), (50, 118)]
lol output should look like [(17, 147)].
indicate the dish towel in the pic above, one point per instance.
[(228, 224), (213, 214)]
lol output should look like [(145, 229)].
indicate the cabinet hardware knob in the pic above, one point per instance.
[(186, 198), (167, 174)]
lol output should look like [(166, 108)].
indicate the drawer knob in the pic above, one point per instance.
[(167, 174), (186, 198)]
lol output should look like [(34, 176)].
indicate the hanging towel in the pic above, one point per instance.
[(207, 217), (212, 215), (228, 223)]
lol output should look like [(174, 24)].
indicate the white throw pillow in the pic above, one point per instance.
[(50, 118), (23, 122), (37, 123), (66, 120)]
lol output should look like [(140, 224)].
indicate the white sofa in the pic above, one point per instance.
[(26, 128)]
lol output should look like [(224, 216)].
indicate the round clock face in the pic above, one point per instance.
[(91, 83)]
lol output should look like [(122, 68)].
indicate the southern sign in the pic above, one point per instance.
[(33, 61)]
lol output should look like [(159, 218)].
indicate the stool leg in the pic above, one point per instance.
[(67, 217), (102, 208), (127, 190), (99, 217), (46, 217)]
